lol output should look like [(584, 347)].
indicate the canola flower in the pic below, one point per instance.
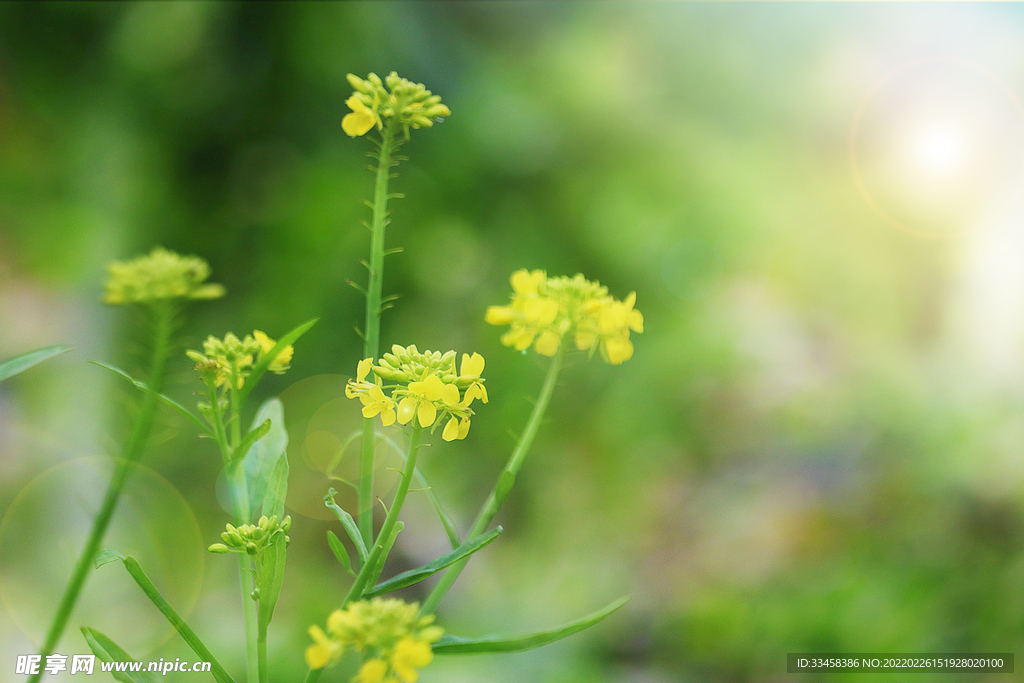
[(161, 274), (425, 386), (252, 539), (408, 104), (231, 358), (393, 640), (545, 310)]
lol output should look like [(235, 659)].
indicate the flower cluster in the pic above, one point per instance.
[(231, 358), (390, 635), (425, 385), (544, 310), (160, 275), (251, 539), (410, 104)]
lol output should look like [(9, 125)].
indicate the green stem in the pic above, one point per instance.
[(134, 447), (505, 481), (313, 676), (240, 506), (262, 645), (371, 332), (367, 571)]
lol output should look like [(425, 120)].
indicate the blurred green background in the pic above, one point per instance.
[(816, 446)]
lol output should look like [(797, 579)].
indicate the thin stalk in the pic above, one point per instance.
[(505, 480), (134, 447), (240, 507), (313, 676), (371, 331), (367, 571)]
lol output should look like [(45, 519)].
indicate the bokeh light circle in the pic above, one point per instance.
[(324, 446), (42, 534), (692, 269), (937, 147)]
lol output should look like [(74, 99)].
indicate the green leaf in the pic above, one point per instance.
[(350, 526), (106, 557), (262, 457), (277, 489), (187, 634), (13, 366), (270, 577), (249, 439), (339, 551), (455, 645), (107, 650), (166, 399), (266, 359), (416, 575)]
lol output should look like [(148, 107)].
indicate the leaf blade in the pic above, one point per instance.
[(21, 363), (456, 645), (266, 359), (350, 526), (412, 576), (108, 651), (163, 397), (340, 554)]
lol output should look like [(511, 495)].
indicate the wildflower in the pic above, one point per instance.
[(161, 274), (362, 118), (375, 102), (424, 386), (231, 357), (393, 640), (545, 310)]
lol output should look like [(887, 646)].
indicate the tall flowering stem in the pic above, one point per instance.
[(157, 281), (504, 484), (130, 455), (371, 338), (391, 105)]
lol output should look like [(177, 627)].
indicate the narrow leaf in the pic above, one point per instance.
[(455, 645), (271, 576), (266, 359), (338, 548), (106, 557), (13, 366), (187, 634), (277, 489), (249, 439), (416, 575), (107, 650), (166, 399), (350, 526)]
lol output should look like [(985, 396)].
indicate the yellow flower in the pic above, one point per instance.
[(362, 118), (373, 671), (376, 403), (283, 358), (421, 398), (410, 654), (324, 651), (544, 310)]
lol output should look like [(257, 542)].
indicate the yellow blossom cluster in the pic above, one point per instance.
[(423, 385), (393, 640), (231, 358), (161, 274), (545, 310), (410, 104)]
